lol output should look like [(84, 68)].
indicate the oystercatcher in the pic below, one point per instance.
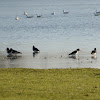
[(35, 50), (74, 52), (12, 51), (93, 52)]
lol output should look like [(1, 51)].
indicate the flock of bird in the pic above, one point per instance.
[(31, 16), (11, 52)]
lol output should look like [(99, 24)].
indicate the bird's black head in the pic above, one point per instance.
[(94, 48), (78, 49), (7, 49), (33, 46)]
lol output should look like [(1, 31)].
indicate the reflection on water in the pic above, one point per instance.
[(74, 57), (13, 57), (49, 60), (34, 54), (94, 57)]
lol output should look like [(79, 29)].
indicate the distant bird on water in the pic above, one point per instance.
[(17, 18), (53, 13), (93, 52), (12, 51), (35, 50), (29, 16), (25, 13), (74, 53), (65, 12)]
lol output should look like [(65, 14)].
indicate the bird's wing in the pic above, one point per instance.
[(73, 52)]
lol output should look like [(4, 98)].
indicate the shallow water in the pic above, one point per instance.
[(55, 35), (50, 60)]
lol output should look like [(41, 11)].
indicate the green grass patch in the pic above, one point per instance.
[(49, 84)]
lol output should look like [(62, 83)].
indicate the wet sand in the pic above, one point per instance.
[(45, 60)]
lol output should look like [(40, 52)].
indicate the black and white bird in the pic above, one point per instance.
[(93, 52), (12, 51), (35, 50), (39, 16), (74, 53)]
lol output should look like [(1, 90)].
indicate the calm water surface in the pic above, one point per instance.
[(55, 35)]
